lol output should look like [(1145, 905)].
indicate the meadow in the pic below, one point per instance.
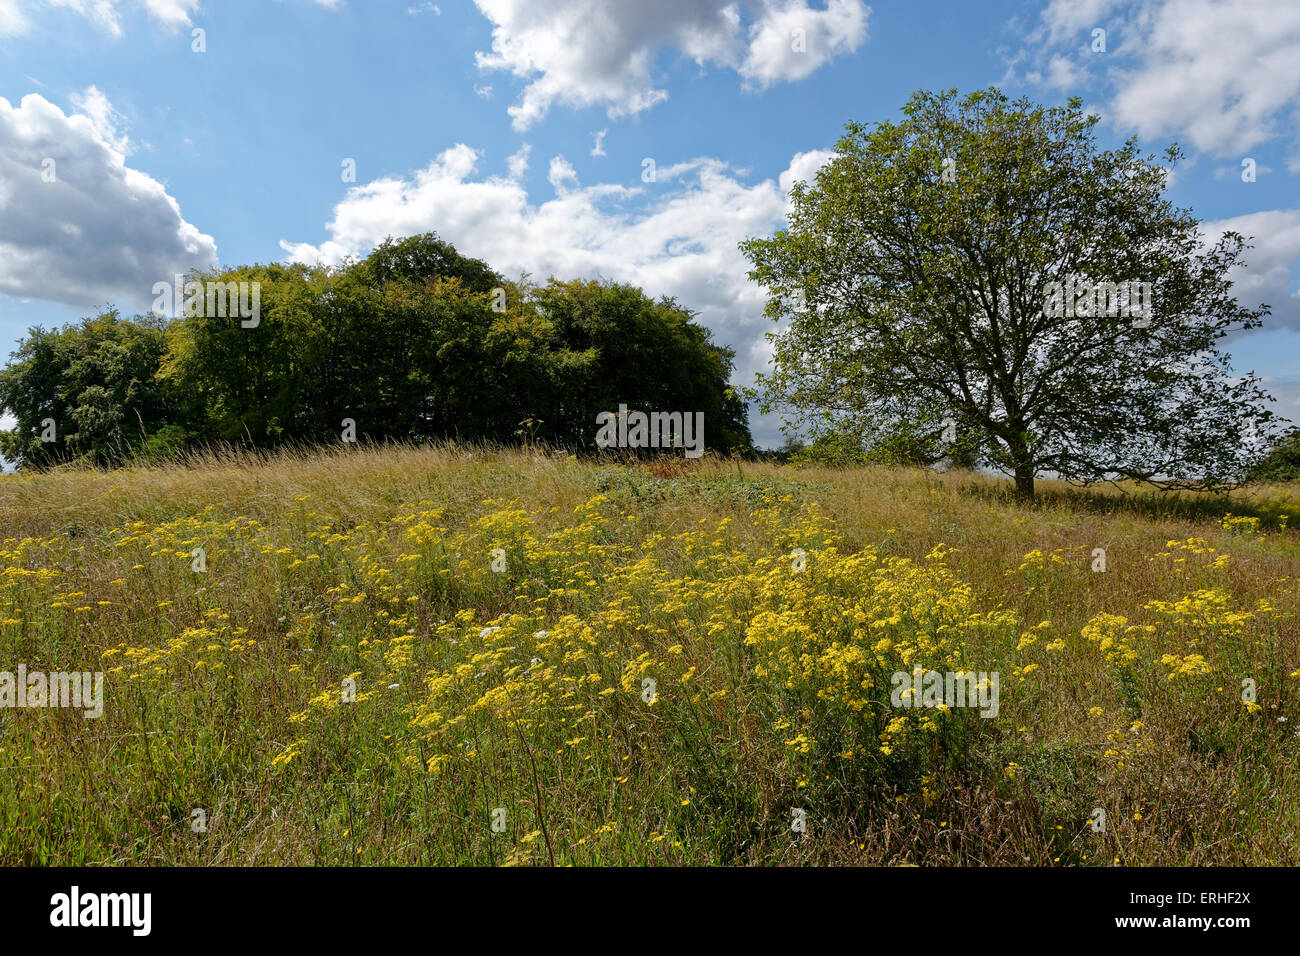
[(453, 655)]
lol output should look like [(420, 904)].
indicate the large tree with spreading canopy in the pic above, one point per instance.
[(983, 276)]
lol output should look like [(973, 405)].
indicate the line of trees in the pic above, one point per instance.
[(977, 283), (414, 342)]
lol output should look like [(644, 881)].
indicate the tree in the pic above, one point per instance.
[(623, 347), (265, 382), (417, 342), (86, 392), (414, 342), (983, 268), (426, 257), (898, 442), (1282, 463)]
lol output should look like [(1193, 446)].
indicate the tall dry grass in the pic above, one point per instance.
[(223, 686)]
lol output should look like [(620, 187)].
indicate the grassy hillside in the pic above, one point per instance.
[(526, 689)]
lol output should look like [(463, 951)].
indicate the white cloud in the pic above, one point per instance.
[(1064, 19), (804, 166), (1061, 74), (1221, 71), (12, 21), (676, 238), (681, 240), (791, 41), (562, 176), (101, 231), (1224, 75), (598, 147), (582, 53), (106, 119), (173, 14), (1268, 274), (517, 164), (103, 12)]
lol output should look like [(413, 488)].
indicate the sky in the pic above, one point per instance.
[(629, 141)]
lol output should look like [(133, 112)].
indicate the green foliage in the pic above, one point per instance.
[(1282, 463), (412, 354), (620, 346), (632, 489), (93, 383), (836, 449), (910, 442), (265, 384), (169, 442), (413, 342), (426, 258), (913, 280)]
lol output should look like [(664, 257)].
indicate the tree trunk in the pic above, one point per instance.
[(1022, 461), (1024, 483)]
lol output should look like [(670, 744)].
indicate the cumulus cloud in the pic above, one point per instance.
[(791, 41), (1268, 275), (582, 53), (1064, 19), (77, 225), (803, 167), (1223, 75), (678, 237)]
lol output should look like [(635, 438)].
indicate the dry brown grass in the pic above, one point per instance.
[(1211, 782)]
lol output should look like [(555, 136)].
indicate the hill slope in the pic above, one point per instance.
[(444, 655)]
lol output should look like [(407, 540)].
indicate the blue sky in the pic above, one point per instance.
[(519, 130)]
